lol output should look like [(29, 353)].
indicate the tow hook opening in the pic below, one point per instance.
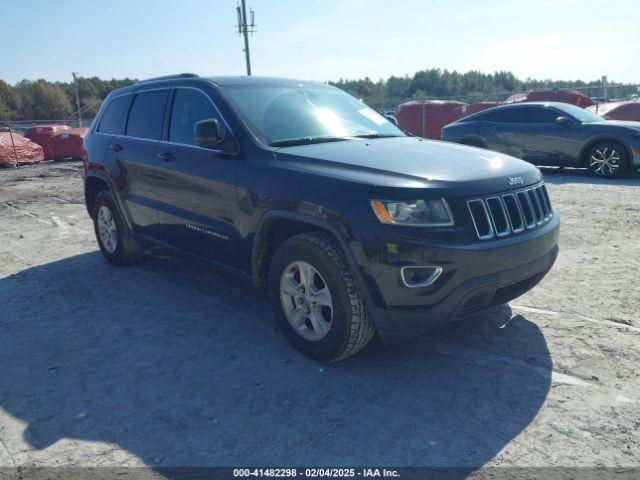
[(420, 276)]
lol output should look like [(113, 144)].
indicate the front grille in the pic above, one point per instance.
[(513, 212)]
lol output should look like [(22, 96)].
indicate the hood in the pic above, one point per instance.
[(412, 162)]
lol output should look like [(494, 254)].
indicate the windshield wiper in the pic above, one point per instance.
[(305, 141), (374, 135)]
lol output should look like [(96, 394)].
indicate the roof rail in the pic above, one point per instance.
[(169, 77)]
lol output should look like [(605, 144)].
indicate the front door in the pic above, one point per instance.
[(548, 143), (197, 201)]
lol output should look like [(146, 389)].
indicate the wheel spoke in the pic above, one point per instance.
[(290, 286), (306, 274), (297, 318), (323, 297), (320, 325)]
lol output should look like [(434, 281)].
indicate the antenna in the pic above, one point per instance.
[(245, 29)]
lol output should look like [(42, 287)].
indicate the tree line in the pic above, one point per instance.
[(472, 86), (44, 100)]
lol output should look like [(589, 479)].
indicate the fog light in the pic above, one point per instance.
[(419, 276)]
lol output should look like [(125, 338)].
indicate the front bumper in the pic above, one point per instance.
[(476, 277)]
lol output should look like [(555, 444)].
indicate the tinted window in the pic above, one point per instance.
[(189, 107), (115, 115), (543, 115), (509, 115), (145, 118)]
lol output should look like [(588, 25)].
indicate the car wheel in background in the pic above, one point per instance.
[(316, 300), (115, 241), (607, 159)]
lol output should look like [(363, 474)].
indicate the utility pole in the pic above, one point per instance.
[(245, 28), (75, 87)]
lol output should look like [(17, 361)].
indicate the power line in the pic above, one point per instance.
[(245, 28)]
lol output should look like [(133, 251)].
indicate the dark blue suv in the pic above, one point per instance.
[(348, 225)]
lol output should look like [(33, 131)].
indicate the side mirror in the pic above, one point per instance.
[(206, 133), (562, 121)]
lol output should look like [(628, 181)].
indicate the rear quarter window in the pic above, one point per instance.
[(147, 114), (115, 115)]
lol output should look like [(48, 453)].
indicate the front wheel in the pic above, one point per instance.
[(316, 300), (607, 159)]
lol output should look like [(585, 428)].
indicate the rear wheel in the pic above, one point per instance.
[(607, 159), (316, 300), (114, 239)]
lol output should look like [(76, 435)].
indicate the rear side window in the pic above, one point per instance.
[(146, 116), (509, 115), (189, 107), (115, 115)]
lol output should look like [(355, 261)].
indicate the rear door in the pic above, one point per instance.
[(197, 201), (503, 129), (134, 153)]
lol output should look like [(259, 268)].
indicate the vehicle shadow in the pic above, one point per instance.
[(179, 365), (557, 176)]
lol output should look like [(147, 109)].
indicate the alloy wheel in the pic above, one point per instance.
[(605, 161), (107, 229), (306, 300)]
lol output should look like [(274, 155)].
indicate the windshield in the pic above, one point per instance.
[(301, 114), (580, 114)]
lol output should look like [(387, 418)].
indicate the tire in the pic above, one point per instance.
[(123, 249), (607, 159), (347, 326)]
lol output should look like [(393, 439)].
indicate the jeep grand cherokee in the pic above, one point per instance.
[(349, 225)]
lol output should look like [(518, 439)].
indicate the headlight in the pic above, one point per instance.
[(417, 213)]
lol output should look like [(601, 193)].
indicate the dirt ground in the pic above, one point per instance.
[(175, 363)]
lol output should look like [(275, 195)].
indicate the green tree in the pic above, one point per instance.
[(42, 100), (8, 101)]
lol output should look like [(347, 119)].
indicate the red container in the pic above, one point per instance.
[(68, 143), (26, 150), (43, 134), (618, 111), (479, 106), (427, 118), (552, 95)]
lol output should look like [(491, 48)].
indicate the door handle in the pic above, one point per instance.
[(167, 157), (116, 147)]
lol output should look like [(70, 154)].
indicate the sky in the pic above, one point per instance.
[(321, 39)]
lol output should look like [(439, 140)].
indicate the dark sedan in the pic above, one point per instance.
[(549, 133)]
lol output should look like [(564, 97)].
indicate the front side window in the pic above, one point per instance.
[(543, 115), (281, 115), (115, 115), (146, 116), (189, 107), (580, 114)]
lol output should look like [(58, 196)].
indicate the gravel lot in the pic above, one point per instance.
[(174, 363)]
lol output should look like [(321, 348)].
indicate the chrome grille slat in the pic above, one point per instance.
[(510, 213), (498, 215), (480, 219), (517, 223)]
